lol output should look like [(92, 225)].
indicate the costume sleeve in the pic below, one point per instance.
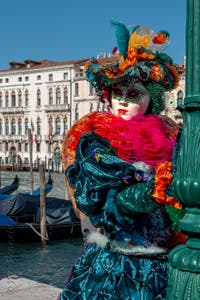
[(96, 176), (136, 199)]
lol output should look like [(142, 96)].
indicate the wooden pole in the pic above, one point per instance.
[(31, 159), (0, 172), (42, 206)]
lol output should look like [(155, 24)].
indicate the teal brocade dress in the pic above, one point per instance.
[(116, 196)]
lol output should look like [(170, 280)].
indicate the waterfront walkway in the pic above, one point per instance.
[(18, 288)]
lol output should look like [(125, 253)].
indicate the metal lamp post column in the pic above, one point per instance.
[(184, 281)]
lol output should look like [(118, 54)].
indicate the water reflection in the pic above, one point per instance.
[(50, 265)]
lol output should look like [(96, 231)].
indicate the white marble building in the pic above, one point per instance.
[(48, 97)]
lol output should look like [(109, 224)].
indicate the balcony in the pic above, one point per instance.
[(53, 138), (57, 107), (57, 138), (14, 138), (11, 110)]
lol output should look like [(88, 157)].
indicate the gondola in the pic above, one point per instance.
[(48, 188), (36, 192), (9, 189), (20, 219)]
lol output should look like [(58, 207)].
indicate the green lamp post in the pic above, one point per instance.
[(184, 281)]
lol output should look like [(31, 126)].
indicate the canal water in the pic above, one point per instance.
[(50, 265)]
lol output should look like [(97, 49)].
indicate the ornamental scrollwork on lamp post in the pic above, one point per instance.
[(184, 281)]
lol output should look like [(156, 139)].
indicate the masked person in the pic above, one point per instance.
[(118, 169)]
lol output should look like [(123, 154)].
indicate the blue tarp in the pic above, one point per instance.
[(6, 221), (21, 205)]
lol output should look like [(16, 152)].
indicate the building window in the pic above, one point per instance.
[(1, 80), (38, 97), (1, 100), (13, 99), (76, 89), (26, 147), (37, 147), (38, 77), (6, 127), (58, 97), (50, 77), (50, 96), (13, 126), (65, 76), (19, 126), (180, 97), (76, 112), (19, 147), (91, 107), (65, 125), (26, 78), (26, 98), (6, 99), (65, 95), (20, 98), (26, 126), (50, 126), (1, 131), (58, 127), (98, 106), (6, 146), (19, 79), (38, 126), (7, 80)]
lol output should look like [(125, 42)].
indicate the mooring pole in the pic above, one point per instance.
[(30, 142), (184, 281), (42, 206)]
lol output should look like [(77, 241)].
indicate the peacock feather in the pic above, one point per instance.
[(122, 35)]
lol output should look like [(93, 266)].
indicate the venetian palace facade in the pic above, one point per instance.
[(46, 98)]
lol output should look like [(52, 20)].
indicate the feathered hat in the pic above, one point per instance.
[(140, 57)]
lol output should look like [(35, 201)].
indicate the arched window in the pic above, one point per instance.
[(50, 96), (26, 126), (57, 155), (1, 131), (76, 112), (50, 126), (13, 155), (98, 106), (58, 125), (6, 99), (38, 97), (58, 97), (65, 125), (1, 100), (38, 126), (91, 107), (65, 95), (26, 98), (76, 89), (13, 126), (180, 97), (13, 99), (20, 98), (19, 126), (6, 126)]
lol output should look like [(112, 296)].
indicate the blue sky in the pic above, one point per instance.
[(62, 30)]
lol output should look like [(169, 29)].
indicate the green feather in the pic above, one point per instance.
[(122, 35)]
